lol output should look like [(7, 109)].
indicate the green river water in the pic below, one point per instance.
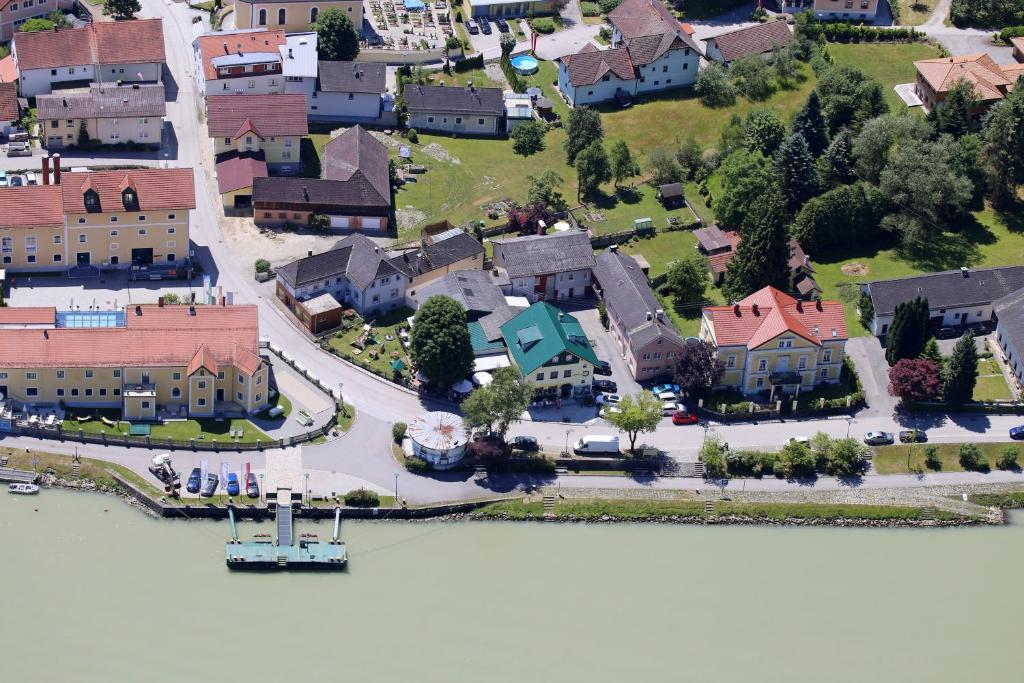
[(95, 591)]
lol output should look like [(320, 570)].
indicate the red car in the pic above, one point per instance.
[(684, 418)]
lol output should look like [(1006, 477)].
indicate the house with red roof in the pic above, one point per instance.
[(770, 342), (651, 51), (991, 81), (118, 52), (246, 61), (14, 13), (272, 124)]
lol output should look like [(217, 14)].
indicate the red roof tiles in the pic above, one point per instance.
[(752, 40), (216, 44), (32, 206), (155, 189), (236, 171), (137, 41), (9, 102), (8, 71), (28, 315), (229, 116), (768, 313)]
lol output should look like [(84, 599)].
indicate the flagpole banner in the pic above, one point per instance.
[(204, 468), (224, 476)]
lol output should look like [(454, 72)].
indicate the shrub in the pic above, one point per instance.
[(931, 457), (971, 458), (361, 498), (589, 9), (712, 454), (607, 6), (398, 431), (1008, 458), (413, 136), (543, 25), (262, 265), (470, 63), (751, 463), (319, 222), (416, 464)]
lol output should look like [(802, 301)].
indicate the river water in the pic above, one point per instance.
[(95, 591)]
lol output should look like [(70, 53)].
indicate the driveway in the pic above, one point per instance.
[(868, 356), (570, 39), (607, 350)]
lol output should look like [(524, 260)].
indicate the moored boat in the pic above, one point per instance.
[(24, 489)]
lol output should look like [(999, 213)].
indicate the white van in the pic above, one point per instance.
[(599, 443)]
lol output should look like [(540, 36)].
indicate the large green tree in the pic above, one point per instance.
[(440, 344), (640, 412), (908, 331), (798, 176), (663, 166), (960, 373), (592, 169), (746, 178), (879, 135), (687, 278), (848, 96), (848, 214), (544, 190), (337, 40), (1002, 146), (762, 257), (752, 77), (581, 130), (121, 9), (498, 405), (624, 164), (835, 166), (955, 114), (810, 123), (713, 86), (528, 138), (763, 132)]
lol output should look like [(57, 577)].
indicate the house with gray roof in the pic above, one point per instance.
[(465, 111), (647, 340), (437, 255), (351, 91), (356, 272), (111, 114), (1009, 312), (547, 267), (956, 298)]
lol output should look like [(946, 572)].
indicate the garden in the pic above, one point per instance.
[(376, 344), (108, 421)]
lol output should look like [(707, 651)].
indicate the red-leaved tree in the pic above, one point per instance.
[(915, 379), (524, 219)]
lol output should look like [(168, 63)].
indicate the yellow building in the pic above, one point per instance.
[(107, 113), (292, 15), (771, 342), (551, 351), (113, 219), (248, 124), (148, 361)]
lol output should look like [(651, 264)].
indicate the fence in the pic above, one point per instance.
[(598, 241)]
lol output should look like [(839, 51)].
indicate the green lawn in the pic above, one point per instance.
[(342, 342), (479, 78), (616, 209), (991, 384), (915, 12), (662, 249), (895, 459), (888, 63), (206, 429), (545, 79)]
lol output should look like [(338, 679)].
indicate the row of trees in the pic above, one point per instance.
[(838, 457)]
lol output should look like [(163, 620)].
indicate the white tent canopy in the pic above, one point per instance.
[(488, 363), (482, 379)]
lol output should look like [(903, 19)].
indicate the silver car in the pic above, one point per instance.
[(878, 438)]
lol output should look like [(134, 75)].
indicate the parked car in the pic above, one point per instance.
[(233, 488), (602, 367), (252, 489), (19, 149), (3, 180), (30, 178), (879, 438), (608, 410), (798, 439), (485, 26), (667, 389), (525, 443), (606, 399), (684, 418), (195, 480), (501, 24), (948, 333), (671, 408), (598, 443), (16, 181), (913, 436), (667, 396), (1017, 432), (211, 485), (472, 27), (607, 385)]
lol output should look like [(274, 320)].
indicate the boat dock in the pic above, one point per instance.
[(264, 554), (9, 475)]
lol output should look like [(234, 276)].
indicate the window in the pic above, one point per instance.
[(458, 120), (282, 16), (227, 141), (201, 402), (553, 374), (647, 356), (117, 374), (82, 239), (827, 356), (88, 392), (116, 391), (60, 374), (239, 395), (31, 391), (145, 405), (730, 361), (802, 363), (220, 375), (540, 376), (113, 219), (657, 355), (202, 384), (31, 258), (479, 122), (57, 257), (430, 119), (81, 220), (241, 379), (785, 343), (114, 233), (170, 216), (7, 245), (60, 392), (170, 231), (56, 239), (259, 397), (103, 392), (824, 373), (259, 380), (762, 365), (263, 17), (176, 392), (760, 382), (88, 374), (30, 244), (31, 375), (176, 376), (74, 392), (606, 77), (142, 219)]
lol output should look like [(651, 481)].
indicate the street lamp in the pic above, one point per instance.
[(307, 488), (341, 397), (567, 433), (396, 488), (262, 492), (849, 421)]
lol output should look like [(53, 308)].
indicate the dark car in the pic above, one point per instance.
[(501, 24), (485, 26), (233, 488), (1017, 433), (602, 367), (605, 385), (252, 489), (913, 436), (16, 181), (195, 480), (525, 443), (211, 485), (947, 333)]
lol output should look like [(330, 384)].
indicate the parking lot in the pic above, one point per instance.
[(105, 292)]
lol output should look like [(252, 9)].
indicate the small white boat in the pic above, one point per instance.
[(24, 489)]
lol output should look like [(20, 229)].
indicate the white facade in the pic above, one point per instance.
[(675, 69), (40, 81), (347, 106), (1011, 355), (247, 84), (557, 286), (602, 91), (383, 294), (951, 317), (469, 124), (144, 130), (130, 73)]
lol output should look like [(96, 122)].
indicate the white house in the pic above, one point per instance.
[(110, 52), (349, 91), (759, 39), (651, 51), (547, 267), (247, 62), (299, 65)]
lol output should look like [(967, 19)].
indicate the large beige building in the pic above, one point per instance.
[(108, 114), (113, 219), (148, 361), (292, 15)]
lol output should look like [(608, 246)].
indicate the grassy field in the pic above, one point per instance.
[(383, 327), (619, 207), (179, 430), (478, 77), (915, 12), (900, 459), (645, 509), (991, 384), (888, 63)]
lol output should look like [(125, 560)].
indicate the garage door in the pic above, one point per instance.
[(339, 221), (372, 223)]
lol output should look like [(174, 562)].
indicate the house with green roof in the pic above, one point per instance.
[(551, 351)]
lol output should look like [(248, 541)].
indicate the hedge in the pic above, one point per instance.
[(362, 498), (842, 32), (469, 63)]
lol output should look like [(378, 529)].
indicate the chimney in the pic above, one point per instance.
[(192, 310), (64, 101), (226, 50), (46, 169), (963, 271), (660, 314), (799, 306), (56, 168), (160, 302), (309, 253), (753, 308), (817, 304), (735, 309), (138, 310), (46, 334)]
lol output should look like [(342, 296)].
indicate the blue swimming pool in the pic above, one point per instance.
[(524, 65)]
